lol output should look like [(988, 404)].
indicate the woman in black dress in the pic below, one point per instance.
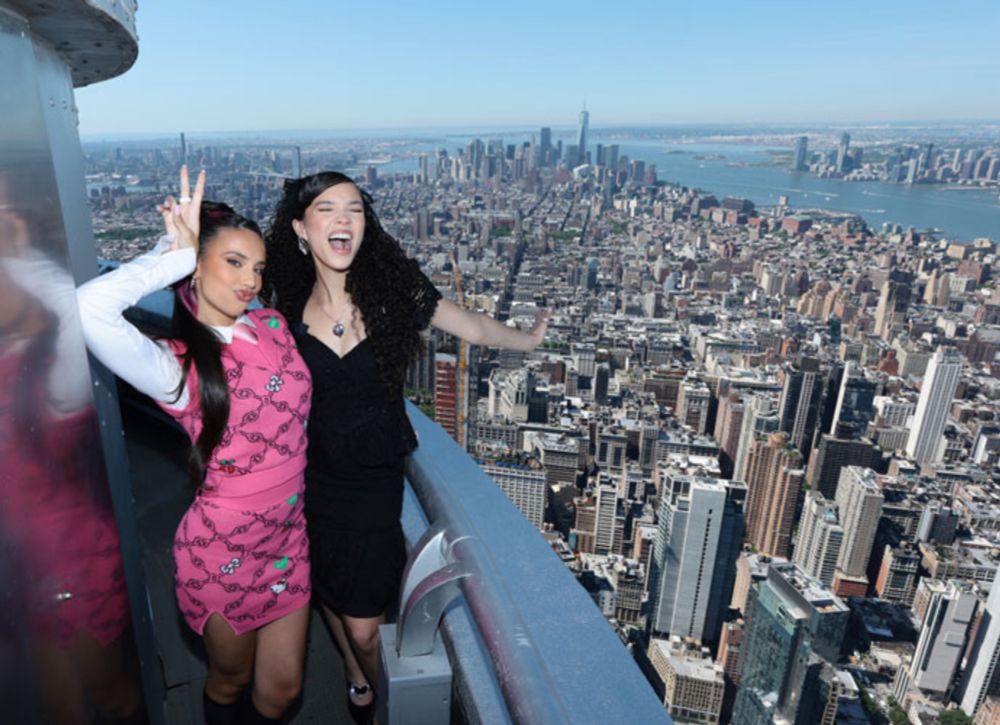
[(357, 305)]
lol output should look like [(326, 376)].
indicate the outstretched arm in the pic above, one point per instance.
[(479, 329)]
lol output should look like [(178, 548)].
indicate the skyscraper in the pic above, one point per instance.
[(855, 399), (424, 169), (899, 572), (820, 537), (794, 626), (581, 137), (649, 435), (591, 277), (936, 395), (759, 419), (859, 500), (583, 527), (609, 522), (693, 403), (699, 529), (943, 638), (545, 149), (602, 376), (893, 303), (801, 397), (799, 159), (612, 158), (445, 392), (924, 160), (842, 161), (982, 676), (938, 523), (420, 373), (728, 427), (774, 481), (830, 457)]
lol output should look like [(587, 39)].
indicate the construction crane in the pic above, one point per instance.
[(461, 366)]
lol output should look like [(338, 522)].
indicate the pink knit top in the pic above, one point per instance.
[(264, 443)]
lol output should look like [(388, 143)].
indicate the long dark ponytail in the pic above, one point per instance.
[(202, 347)]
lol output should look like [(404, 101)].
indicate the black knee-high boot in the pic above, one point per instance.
[(250, 715), (218, 714)]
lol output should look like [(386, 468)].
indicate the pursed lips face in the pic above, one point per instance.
[(334, 226), (229, 275)]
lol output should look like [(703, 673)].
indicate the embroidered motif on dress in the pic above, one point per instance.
[(270, 395)]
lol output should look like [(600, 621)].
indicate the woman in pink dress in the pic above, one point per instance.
[(235, 381)]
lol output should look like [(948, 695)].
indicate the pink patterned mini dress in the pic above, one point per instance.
[(240, 550)]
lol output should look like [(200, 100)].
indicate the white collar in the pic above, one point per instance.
[(225, 332)]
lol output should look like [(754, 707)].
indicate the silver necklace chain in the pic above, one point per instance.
[(338, 328)]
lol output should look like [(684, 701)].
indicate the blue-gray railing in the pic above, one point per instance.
[(527, 644)]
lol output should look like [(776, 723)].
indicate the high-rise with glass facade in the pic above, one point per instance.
[(794, 626), (581, 137)]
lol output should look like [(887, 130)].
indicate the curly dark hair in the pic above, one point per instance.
[(383, 283)]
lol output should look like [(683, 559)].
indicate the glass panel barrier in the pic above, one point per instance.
[(67, 651)]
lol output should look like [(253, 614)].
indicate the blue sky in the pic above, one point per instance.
[(324, 64)]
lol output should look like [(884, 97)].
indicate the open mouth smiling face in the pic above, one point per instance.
[(334, 226)]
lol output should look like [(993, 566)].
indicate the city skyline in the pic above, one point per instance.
[(749, 474), (670, 302), (431, 70)]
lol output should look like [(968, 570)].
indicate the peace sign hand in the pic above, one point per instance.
[(181, 216)]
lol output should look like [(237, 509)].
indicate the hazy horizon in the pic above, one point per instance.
[(789, 127), (208, 68)]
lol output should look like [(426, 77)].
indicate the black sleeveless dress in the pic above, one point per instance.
[(358, 439)]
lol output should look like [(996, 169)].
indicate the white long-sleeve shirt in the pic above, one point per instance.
[(49, 284), (149, 366)]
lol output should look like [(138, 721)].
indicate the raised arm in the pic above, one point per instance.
[(479, 329), (149, 366)]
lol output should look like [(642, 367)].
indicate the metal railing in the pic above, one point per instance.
[(551, 654)]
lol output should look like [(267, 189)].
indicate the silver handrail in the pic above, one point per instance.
[(528, 688), (545, 641)]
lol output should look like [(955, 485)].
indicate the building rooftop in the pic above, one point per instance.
[(809, 588), (687, 659)]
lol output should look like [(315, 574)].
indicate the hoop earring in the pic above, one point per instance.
[(303, 246)]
